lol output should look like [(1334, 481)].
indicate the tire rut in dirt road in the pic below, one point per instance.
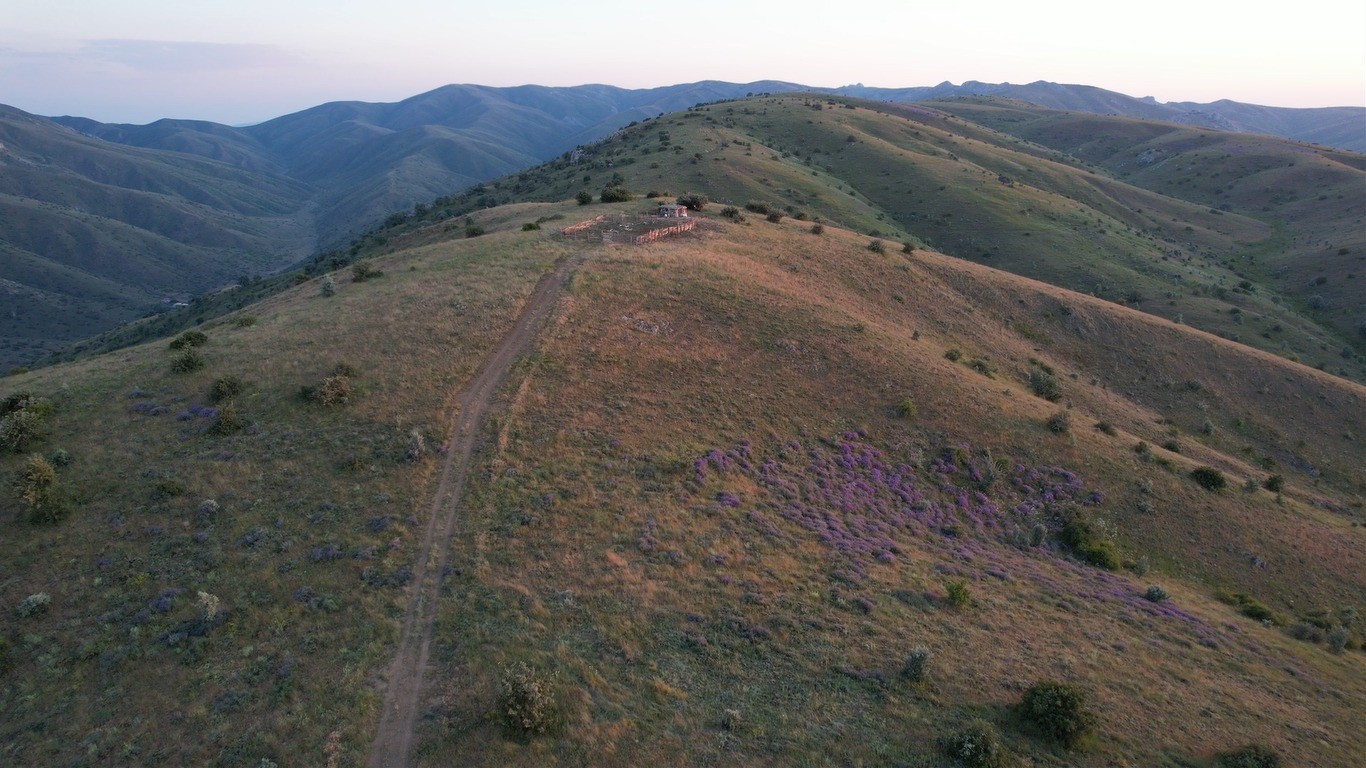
[(393, 741)]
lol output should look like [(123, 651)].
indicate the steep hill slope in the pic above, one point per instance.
[(735, 482), (94, 233)]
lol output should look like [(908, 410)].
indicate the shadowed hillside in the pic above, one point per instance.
[(754, 496), (94, 234)]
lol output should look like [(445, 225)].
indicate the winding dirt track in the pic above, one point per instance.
[(402, 695)]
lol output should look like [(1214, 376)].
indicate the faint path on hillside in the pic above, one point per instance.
[(402, 694)]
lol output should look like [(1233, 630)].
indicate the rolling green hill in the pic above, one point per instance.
[(756, 495)]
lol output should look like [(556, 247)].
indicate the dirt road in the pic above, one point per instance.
[(402, 694)]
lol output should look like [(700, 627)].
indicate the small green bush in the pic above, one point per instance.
[(34, 605), (907, 247), (732, 213), (616, 195), (333, 390), (1059, 423), (474, 230), (774, 216), (1059, 711), (907, 409), (1209, 478), (225, 388), (877, 246), (364, 270), (1156, 594), (954, 354), (530, 226), (188, 361), (584, 197), (39, 492), (760, 208), (329, 286), (22, 416), (1044, 384), (917, 665), (227, 422), (817, 229), (958, 594), (977, 745), (693, 202), (1105, 427), (527, 702), (1250, 756), (6, 656), (189, 339), (1275, 483), (1080, 536)]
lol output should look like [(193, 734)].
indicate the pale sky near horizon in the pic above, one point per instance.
[(243, 61)]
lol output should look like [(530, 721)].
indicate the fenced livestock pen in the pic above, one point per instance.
[(628, 229)]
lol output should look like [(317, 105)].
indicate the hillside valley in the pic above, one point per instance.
[(773, 491)]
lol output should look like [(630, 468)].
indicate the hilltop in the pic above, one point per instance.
[(725, 488), (110, 220)]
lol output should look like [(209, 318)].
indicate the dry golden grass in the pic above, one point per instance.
[(768, 333)]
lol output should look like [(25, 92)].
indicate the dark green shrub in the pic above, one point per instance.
[(1251, 756), (473, 230), (876, 246), (977, 745), (954, 354), (1144, 451), (1081, 537), (364, 270), (917, 665), (1107, 428), (817, 229), (584, 197), (530, 226), (225, 388), (188, 361), (758, 207), (907, 409), (1156, 594), (732, 213), (247, 321), (6, 656), (1209, 478), (189, 339), (693, 202), (1044, 384), (1172, 446), (1059, 711), (1059, 423), (1275, 484), (329, 287), (616, 195), (774, 216), (527, 702), (906, 247), (958, 594)]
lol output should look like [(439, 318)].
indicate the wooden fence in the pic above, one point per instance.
[(582, 225), (656, 234)]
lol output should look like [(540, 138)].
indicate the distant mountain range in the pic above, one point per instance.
[(102, 221)]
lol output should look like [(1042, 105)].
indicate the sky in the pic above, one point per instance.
[(244, 61)]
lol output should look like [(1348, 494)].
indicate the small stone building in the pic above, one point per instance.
[(673, 211)]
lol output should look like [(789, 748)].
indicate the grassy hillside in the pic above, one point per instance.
[(734, 483), (1311, 195), (916, 174)]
